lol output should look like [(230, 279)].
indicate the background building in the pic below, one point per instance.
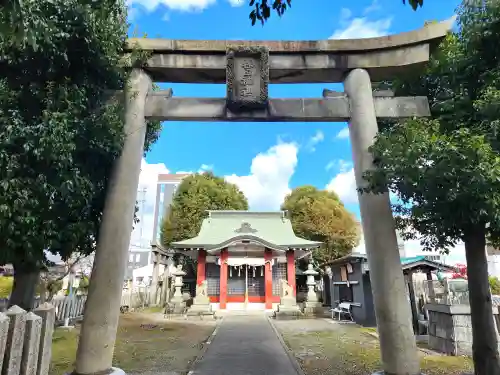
[(147, 230), (493, 257), (165, 190)]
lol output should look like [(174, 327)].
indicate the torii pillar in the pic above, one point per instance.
[(397, 342), (102, 309)]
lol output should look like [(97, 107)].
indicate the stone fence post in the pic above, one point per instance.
[(25, 340)]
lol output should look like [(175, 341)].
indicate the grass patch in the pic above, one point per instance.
[(152, 310), (348, 350), (370, 330), (64, 345), (141, 345)]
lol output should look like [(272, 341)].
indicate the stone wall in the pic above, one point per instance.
[(450, 328)]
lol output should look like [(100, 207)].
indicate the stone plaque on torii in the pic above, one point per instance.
[(247, 78)]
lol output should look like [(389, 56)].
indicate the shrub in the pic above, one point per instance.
[(6, 283), (494, 285)]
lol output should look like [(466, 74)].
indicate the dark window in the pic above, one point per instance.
[(345, 293), (213, 279), (256, 284), (279, 273), (236, 280)]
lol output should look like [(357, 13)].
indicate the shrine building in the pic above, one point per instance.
[(243, 256)]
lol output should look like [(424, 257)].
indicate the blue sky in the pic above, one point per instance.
[(266, 159)]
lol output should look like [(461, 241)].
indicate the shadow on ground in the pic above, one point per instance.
[(145, 344), (326, 348)]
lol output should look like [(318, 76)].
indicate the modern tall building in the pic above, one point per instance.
[(165, 190), (139, 250), (140, 255)]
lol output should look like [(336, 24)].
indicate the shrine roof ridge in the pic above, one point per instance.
[(271, 228), (245, 213), (430, 33)]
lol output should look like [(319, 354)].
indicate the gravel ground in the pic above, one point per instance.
[(326, 348), (146, 344)]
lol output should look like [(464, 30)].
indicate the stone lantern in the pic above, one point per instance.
[(312, 305), (177, 298)]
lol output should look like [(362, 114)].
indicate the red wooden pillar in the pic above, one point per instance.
[(268, 278), (200, 271), (290, 269), (223, 279)]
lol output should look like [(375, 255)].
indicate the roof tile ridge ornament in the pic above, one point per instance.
[(245, 228)]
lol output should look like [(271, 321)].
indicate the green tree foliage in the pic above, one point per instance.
[(446, 170), (263, 9), (6, 286), (60, 135), (197, 194), (319, 215), (83, 286), (494, 285)]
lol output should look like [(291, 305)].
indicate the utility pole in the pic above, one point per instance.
[(141, 200)]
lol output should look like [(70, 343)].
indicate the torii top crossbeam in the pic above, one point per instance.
[(322, 61)]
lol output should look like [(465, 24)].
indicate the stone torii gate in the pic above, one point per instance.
[(248, 68)]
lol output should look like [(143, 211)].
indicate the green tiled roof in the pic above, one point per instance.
[(409, 260), (405, 261), (269, 227)]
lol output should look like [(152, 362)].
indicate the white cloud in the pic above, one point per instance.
[(345, 14), (236, 3), (203, 168), (330, 165), (314, 140), (344, 183), (362, 27), (268, 182), (373, 7), (178, 5), (343, 133), (132, 14), (414, 248)]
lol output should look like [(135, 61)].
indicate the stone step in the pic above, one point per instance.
[(219, 313)]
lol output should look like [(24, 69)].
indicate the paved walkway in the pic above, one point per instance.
[(245, 345)]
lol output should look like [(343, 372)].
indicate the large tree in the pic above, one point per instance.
[(197, 194), (446, 170), (319, 215), (263, 9), (59, 136)]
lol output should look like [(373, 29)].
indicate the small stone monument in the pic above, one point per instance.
[(288, 308), (177, 299), (201, 303), (312, 306)]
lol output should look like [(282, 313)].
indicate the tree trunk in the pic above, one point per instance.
[(24, 288), (484, 334)]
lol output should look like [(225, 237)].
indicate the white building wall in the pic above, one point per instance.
[(144, 275)]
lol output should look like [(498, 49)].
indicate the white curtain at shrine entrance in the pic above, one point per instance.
[(235, 262)]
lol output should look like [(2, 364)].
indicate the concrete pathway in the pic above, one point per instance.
[(245, 345)]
